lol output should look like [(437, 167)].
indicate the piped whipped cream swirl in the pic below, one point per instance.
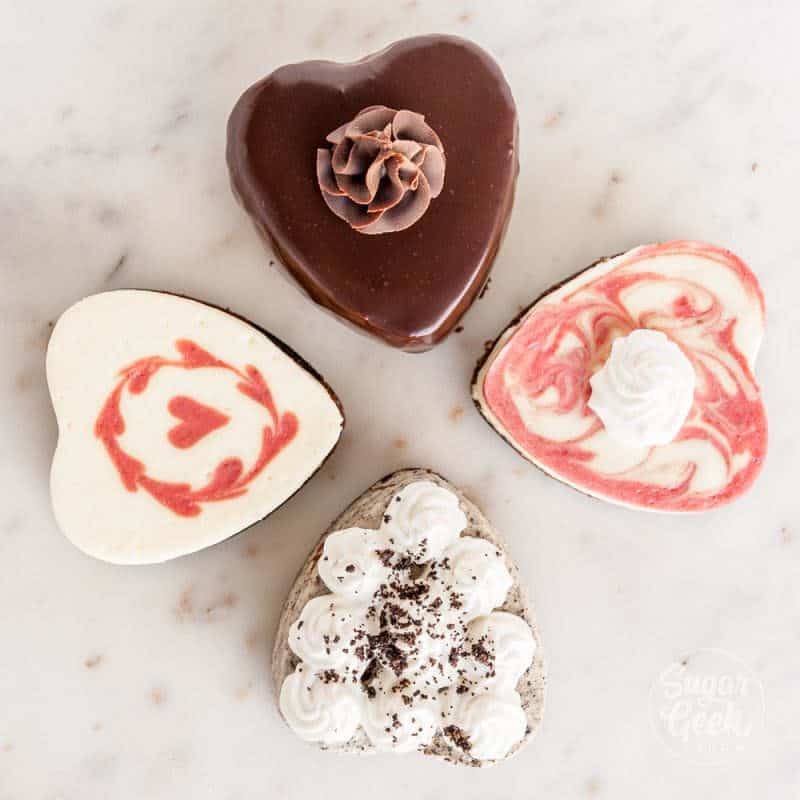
[(502, 648), (318, 709), (487, 723), (328, 633), (645, 390), (350, 564), (392, 723), (408, 643), (479, 574), (422, 521)]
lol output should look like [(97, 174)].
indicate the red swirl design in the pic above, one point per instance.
[(230, 478), (545, 367)]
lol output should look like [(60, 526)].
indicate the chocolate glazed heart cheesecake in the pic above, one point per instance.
[(384, 185)]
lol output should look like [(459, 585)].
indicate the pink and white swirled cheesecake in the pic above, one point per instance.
[(633, 381)]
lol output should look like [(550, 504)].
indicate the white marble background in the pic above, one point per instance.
[(641, 120)]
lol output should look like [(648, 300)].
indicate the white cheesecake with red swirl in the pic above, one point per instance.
[(634, 380), (179, 425)]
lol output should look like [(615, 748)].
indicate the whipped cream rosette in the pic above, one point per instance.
[(405, 648), (645, 390), (489, 722), (500, 647), (319, 709), (633, 381)]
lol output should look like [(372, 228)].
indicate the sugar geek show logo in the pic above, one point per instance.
[(707, 706)]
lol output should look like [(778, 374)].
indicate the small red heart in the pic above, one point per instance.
[(197, 421)]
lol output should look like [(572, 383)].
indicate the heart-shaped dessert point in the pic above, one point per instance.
[(384, 185), (633, 381), (408, 630), (130, 486)]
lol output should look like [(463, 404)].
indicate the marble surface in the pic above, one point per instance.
[(641, 120)]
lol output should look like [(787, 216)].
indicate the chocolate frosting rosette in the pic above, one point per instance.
[(382, 170)]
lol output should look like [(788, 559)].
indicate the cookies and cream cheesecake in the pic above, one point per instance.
[(633, 381), (407, 630)]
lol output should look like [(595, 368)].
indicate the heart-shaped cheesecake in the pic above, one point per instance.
[(407, 629), (384, 185), (179, 425), (633, 381)]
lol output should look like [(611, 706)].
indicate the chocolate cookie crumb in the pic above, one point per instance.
[(458, 737)]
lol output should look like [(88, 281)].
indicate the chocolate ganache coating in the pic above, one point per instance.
[(411, 286)]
